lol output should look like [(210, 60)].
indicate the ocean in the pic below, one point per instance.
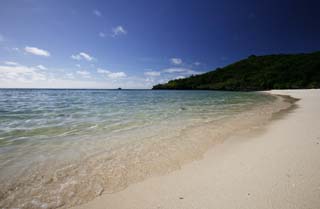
[(60, 148)]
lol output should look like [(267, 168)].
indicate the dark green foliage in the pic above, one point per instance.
[(257, 73)]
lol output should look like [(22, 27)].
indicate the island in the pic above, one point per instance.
[(281, 71)]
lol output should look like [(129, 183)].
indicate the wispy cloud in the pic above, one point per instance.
[(117, 75), (41, 67), (102, 35), (69, 76), (180, 77), (97, 13), (16, 49), (11, 63), (175, 70), (23, 76), (197, 63), (152, 73), (185, 71), (84, 73), (119, 30), (36, 51), (82, 56), (1, 38), (176, 61), (103, 71), (112, 75), (20, 73)]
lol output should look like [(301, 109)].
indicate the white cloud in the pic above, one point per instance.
[(20, 73), (36, 51), (70, 76), (119, 30), (16, 69), (11, 63), (181, 70), (41, 67), (20, 76), (176, 61), (61, 83), (197, 63), (76, 57), (82, 56), (112, 75), (117, 75), (84, 73), (102, 35), (68, 80), (164, 80), (102, 71), (97, 13), (179, 77), (1, 38), (152, 73), (175, 70)]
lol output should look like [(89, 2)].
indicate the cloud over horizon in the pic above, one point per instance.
[(14, 72), (83, 73), (112, 75), (83, 70), (152, 73), (185, 71)]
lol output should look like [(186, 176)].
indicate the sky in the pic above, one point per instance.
[(137, 44)]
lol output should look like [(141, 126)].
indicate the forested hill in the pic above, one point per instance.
[(281, 71)]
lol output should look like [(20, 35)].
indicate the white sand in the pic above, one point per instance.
[(279, 167)]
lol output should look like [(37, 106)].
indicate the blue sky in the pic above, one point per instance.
[(136, 44)]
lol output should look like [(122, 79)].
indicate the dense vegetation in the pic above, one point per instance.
[(257, 73)]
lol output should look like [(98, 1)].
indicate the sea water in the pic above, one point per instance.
[(60, 148)]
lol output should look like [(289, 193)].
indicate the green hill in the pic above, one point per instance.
[(283, 71)]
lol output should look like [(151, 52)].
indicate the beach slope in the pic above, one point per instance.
[(274, 167)]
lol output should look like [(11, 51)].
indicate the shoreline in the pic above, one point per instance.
[(268, 168), (109, 171)]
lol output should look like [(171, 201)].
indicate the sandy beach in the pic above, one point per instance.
[(277, 166)]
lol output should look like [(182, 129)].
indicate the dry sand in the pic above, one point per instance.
[(275, 167)]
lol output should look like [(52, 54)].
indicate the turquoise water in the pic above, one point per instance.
[(53, 114), (77, 144)]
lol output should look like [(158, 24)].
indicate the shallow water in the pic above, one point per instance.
[(60, 148)]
